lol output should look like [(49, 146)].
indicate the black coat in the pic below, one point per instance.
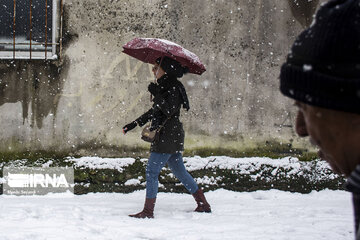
[(166, 107), (353, 185)]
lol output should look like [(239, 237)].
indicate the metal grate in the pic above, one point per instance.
[(28, 29)]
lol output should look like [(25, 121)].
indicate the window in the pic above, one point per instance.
[(28, 29)]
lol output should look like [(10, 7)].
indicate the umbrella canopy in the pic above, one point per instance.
[(150, 49)]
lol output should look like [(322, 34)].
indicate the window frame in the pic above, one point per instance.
[(30, 54)]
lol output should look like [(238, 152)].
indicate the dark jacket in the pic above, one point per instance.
[(166, 107), (353, 185)]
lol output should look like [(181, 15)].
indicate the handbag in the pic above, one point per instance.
[(151, 136)]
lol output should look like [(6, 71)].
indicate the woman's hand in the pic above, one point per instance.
[(129, 127)]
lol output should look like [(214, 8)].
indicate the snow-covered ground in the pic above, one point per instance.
[(256, 167), (236, 215), (288, 167)]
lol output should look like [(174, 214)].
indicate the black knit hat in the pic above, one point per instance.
[(323, 67), (171, 66)]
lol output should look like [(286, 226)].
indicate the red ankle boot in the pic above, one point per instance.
[(148, 211), (202, 204)]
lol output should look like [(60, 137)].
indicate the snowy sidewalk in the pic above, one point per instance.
[(236, 215)]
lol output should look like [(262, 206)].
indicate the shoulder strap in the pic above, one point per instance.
[(162, 125)]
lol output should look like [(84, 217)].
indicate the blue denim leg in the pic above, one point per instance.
[(176, 164), (155, 163)]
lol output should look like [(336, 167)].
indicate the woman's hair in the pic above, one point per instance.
[(172, 67)]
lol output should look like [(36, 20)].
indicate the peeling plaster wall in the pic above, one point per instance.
[(83, 102)]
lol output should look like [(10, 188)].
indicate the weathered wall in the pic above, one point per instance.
[(82, 101)]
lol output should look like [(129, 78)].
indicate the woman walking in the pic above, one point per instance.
[(169, 95)]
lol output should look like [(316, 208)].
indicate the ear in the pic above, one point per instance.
[(300, 125)]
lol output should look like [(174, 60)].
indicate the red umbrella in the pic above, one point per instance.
[(150, 49)]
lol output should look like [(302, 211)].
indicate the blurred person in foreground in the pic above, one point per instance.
[(322, 75)]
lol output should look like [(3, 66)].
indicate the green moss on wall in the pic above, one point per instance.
[(33, 156), (271, 149)]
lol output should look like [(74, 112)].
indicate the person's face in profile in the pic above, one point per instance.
[(336, 133), (158, 71)]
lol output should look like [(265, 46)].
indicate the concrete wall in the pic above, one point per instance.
[(82, 102)]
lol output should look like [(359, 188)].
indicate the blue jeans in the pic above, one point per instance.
[(175, 162)]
